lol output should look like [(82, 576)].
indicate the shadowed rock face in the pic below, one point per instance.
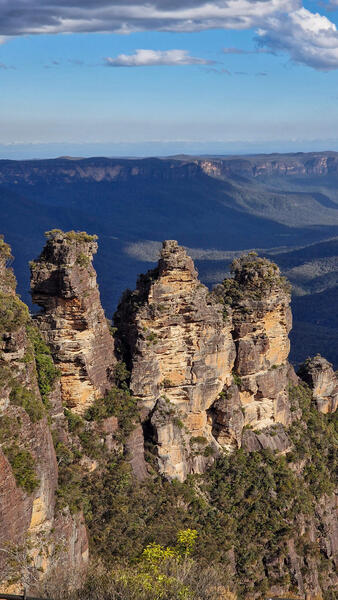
[(29, 513), (63, 283), (318, 373)]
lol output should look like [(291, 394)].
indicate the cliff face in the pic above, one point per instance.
[(106, 170), (204, 365), (258, 299), (318, 373), (28, 466), (181, 354), (63, 283), (291, 165), (211, 373)]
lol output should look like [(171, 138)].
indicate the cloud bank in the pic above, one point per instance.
[(19, 17), (282, 25), (151, 58), (309, 38)]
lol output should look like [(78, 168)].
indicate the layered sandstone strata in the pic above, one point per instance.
[(63, 283), (261, 321), (206, 366), (181, 355), (28, 466), (318, 373)]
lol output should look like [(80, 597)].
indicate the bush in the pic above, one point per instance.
[(315, 439), (27, 399), (252, 278), (47, 373), (75, 422), (120, 403), (23, 467), (83, 260), (173, 580), (71, 236), (13, 313)]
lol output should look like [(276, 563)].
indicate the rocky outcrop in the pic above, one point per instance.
[(180, 352), (204, 365), (63, 283), (315, 164), (261, 320), (318, 373), (28, 467)]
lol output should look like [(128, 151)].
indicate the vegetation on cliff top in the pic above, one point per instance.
[(246, 508), (253, 278), (71, 236)]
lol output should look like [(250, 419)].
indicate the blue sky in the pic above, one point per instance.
[(229, 75)]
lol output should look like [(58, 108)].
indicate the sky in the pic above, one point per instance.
[(129, 77)]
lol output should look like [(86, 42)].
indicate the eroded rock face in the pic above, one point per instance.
[(206, 366), (261, 320), (181, 355), (63, 283), (28, 466), (318, 373)]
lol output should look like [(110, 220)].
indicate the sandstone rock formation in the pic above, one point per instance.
[(261, 320), (318, 373), (206, 365), (63, 283), (29, 523), (210, 371), (181, 355)]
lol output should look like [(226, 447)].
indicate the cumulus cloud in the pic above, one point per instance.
[(153, 58), (20, 17), (309, 38), (282, 25)]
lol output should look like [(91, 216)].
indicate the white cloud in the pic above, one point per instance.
[(283, 25), (308, 38), (19, 17), (148, 58)]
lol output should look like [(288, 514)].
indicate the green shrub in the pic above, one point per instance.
[(23, 467), (21, 396), (47, 373), (9, 429), (71, 236), (121, 373), (119, 403), (252, 278), (13, 313), (315, 439), (83, 260), (91, 443), (237, 380), (75, 422)]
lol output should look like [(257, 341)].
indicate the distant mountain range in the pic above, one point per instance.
[(283, 205)]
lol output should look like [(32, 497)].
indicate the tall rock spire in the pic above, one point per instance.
[(181, 354), (63, 283)]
